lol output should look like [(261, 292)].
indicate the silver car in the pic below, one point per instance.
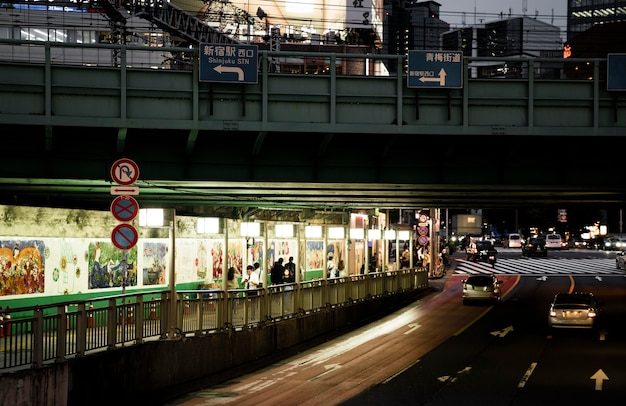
[(573, 310), (481, 288)]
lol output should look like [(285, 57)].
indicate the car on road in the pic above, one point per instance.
[(481, 287), (554, 242), (614, 244), (535, 246), (577, 242), (513, 240), (619, 260), (574, 310), (481, 250)]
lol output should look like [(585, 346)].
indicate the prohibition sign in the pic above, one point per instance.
[(124, 236), (124, 208), (422, 240), (422, 230), (423, 218), (124, 171)]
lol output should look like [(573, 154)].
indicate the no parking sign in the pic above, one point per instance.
[(124, 236)]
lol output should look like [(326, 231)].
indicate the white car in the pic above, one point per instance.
[(553, 242), (573, 310), (513, 240), (481, 288)]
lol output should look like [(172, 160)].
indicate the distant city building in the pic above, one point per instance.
[(584, 14), (510, 37), (518, 36), (411, 25)]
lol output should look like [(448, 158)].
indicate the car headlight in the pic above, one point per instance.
[(552, 313), (591, 313)]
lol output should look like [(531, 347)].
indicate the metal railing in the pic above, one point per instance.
[(345, 64), (36, 335)]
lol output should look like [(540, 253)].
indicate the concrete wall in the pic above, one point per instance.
[(159, 370)]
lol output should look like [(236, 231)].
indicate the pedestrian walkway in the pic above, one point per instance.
[(541, 266)]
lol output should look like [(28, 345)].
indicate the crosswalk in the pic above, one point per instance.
[(541, 266)]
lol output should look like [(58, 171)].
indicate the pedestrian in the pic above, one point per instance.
[(251, 280), (259, 272), (277, 272), (288, 276), (291, 266), (332, 269), (233, 278)]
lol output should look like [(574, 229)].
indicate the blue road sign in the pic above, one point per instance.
[(124, 236), (439, 69), (229, 63), (124, 208), (616, 72)]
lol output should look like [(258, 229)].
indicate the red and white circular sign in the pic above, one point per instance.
[(124, 236), (124, 172), (124, 208)]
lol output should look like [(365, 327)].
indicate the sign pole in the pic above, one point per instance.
[(172, 275)]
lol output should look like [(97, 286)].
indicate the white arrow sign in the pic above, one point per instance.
[(413, 327), (502, 332), (542, 278), (599, 278), (599, 377), (230, 69), (441, 79)]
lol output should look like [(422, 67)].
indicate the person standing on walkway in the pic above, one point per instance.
[(291, 266), (278, 270)]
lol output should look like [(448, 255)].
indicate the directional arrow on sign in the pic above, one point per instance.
[(542, 278), (230, 69), (599, 377), (502, 332), (441, 79)]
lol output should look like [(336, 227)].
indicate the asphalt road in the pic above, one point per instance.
[(438, 351)]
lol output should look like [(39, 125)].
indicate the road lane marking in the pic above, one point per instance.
[(599, 377), (526, 376)]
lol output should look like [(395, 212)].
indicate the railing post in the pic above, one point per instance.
[(139, 317), (38, 338), (112, 324), (62, 326), (81, 330)]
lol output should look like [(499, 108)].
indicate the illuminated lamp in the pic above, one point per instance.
[(208, 225), (390, 234), (336, 233), (151, 217), (374, 234), (284, 230), (357, 234), (250, 229), (313, 231)]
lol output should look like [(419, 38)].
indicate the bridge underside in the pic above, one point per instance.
[(230, 173)]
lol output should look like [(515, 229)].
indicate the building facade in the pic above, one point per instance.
[(584, 14)]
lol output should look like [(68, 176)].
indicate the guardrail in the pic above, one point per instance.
[(295, 62), (41, 334)]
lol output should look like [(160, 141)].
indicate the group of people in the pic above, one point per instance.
[(279, 274)]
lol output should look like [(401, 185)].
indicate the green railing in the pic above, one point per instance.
[(37, 335)]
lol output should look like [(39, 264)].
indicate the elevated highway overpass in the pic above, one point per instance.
[(347, 138)]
